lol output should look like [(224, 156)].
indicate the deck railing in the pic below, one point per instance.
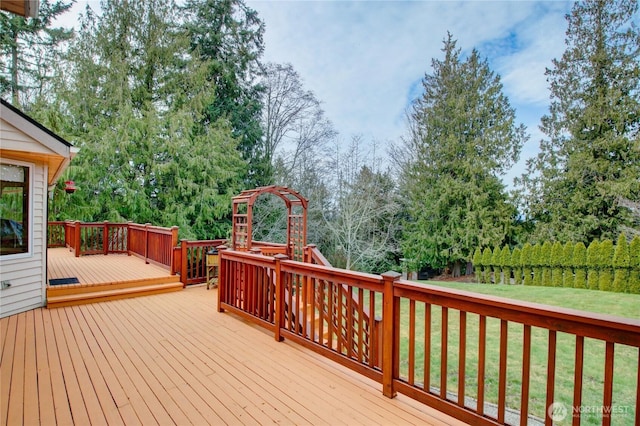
[(462, 353), (190, 260), (152, 243)]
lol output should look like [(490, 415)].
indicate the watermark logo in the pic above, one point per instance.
[(557, 411)]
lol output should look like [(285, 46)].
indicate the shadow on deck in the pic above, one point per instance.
[(100, 278)]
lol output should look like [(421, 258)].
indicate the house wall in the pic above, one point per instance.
[(26, 272)]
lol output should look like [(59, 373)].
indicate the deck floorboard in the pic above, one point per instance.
[(173, 359)]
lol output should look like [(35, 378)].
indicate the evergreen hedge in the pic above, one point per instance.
[(602, 265)]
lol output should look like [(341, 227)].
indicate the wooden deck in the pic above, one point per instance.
[(100, 269), (173, 359), (101, 278)]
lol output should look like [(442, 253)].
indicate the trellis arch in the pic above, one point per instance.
[(241, 236)]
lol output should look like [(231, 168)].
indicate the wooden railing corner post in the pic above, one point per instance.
[(174, 244), (129, 223), (105, 237), (78, 238), (146, 242), (389, 334), (279, 319), (183, 263), (222, 276)]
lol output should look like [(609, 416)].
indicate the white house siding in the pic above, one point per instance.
[(15, 140), (27, 274)]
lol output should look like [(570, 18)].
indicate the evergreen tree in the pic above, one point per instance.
[(556, 263), (568, 279), (487, 254), (621, 263), (605, 260), (536, 263), (496, 263), (28, 47), (545, 262), (579, 265), (228, 35), (590, 160), (516, 265), (634, 265), (132, 100), (593, 256), (505, 262), (526, 261), (477, 264), (463, 137)]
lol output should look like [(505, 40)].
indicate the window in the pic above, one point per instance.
[(14, 209)]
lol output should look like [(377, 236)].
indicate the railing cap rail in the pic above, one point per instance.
[(531, 308)]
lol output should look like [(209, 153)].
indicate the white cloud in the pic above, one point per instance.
[(364, 59)]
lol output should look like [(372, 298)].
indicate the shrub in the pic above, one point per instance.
[(477, 264), (517, 266), (593, 255), (634, 265), (495, 262), (556, 262), (605, 258), (621, 262), (526, 262), (579, 263), (486, 262), (536, 264), (545, 261), (567, 263), (505, 262)]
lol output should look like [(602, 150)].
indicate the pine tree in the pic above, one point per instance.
[(593, 256), (526, 261), (568, 279), (463, 137), (621, 263), (579, 265), (590, 160), (556, 261), (517, 266)]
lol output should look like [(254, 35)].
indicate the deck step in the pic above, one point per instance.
[(103, 295)]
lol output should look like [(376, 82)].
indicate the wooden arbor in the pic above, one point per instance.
[(241, 238)]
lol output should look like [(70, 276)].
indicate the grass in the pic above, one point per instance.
[(626, 358)]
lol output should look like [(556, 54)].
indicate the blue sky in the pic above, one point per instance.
[(364, 60)]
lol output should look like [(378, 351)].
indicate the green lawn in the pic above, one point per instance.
[(626, 358)]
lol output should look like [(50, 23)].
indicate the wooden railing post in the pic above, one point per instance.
[(183, 263), (390, 335), (105, 237), (309, 292), (129, 238), (78, 238), (174, 244), (146, 242), (279, 317), (222, 277)]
